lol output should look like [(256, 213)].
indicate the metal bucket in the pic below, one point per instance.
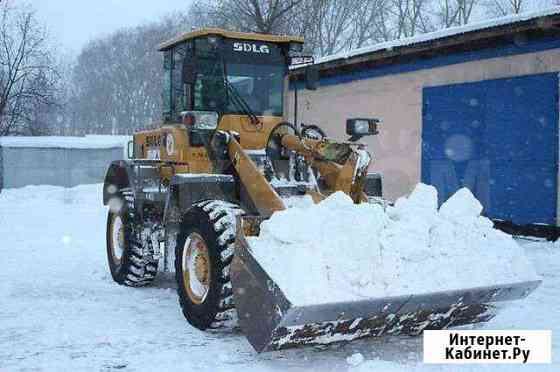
[(271, 322)]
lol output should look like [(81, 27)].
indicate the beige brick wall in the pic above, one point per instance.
[(397, 101)]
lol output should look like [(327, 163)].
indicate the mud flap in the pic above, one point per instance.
[(271, 322)]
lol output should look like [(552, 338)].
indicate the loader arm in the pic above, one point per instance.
[(343, 166), (340, 166), (262, 194)]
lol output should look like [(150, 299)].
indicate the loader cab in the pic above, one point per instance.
[(255, 66)]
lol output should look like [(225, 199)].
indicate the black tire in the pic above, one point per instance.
[(133, 268), (214, 222)]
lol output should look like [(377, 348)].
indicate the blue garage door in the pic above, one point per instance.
[(500, 139)]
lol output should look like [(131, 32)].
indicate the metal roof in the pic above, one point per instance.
[(441, 40)]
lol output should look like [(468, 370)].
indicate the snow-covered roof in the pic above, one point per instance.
[(432, 36), (87, 142)]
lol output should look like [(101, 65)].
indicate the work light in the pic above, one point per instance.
[(361, 127), (358, 128)]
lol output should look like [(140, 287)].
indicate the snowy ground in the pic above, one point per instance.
[(60, 310)]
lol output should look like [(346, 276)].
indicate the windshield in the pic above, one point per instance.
[(261, 86)]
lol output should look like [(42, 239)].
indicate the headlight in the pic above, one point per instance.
[(201, 119), (361, 127)]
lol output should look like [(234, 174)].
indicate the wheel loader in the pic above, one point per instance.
[(223, 160)]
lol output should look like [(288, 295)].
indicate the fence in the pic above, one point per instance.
[(57, 161)]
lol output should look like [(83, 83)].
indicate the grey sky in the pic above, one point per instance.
[(74, 22)]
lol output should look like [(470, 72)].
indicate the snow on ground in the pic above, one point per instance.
[(349, 252), (60, 310)]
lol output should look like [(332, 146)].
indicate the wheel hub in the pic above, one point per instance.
[(117, 238), (201, 268), (196, 268)]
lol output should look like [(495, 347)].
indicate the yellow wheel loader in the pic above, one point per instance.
[(223, 160)]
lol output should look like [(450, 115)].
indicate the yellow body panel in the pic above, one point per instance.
[(170, 144), (280, 39), (252, 137)]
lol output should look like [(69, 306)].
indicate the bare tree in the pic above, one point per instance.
[(334, 21), (410, 17), (328, 26), (347, 25), (498, 8), (28, 76), (454, 12), (117, 80), (466, 9), (265, 16), (299, 17), (369, 23)]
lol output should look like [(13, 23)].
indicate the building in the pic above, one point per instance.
[(58, 161), (473, 106)]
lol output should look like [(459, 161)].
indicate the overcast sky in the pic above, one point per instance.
[(74, 22)]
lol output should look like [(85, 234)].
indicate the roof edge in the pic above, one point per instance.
[(434, 40)]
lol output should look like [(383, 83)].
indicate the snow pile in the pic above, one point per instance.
[(339, 251)]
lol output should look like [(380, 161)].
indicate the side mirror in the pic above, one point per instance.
[(188, 72), (311, 78), (358, 128)]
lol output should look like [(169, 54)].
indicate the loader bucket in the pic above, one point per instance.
[(271, 322)]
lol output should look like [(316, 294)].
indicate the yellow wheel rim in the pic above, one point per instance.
[(196, 268), (117, 239)]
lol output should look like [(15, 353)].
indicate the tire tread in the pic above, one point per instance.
[(221, 216)]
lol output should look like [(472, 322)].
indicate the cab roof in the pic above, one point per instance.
[(280, 39)]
